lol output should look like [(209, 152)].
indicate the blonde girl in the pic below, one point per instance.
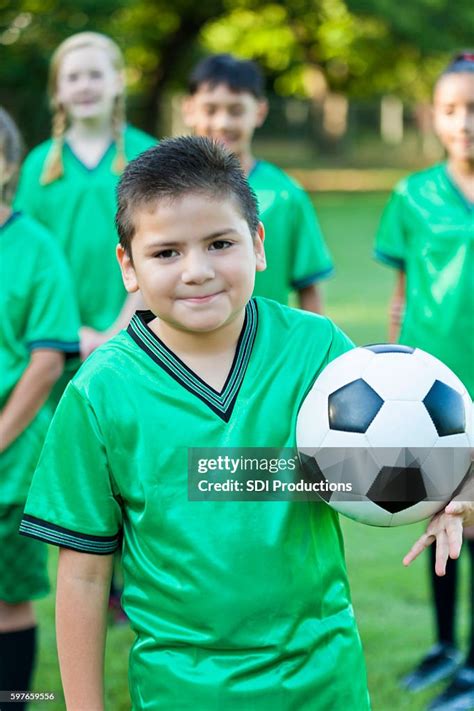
[(68, 182)]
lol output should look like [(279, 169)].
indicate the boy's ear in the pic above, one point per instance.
[(187, 111), (261, 262), (262, 112), (128, 271)]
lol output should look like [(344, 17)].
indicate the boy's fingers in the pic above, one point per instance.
[(442, 553), (423, 542), (454, 533)]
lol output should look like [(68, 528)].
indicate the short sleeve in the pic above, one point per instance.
[(390, 242), (72, 501), (53, 318), (311, 258)]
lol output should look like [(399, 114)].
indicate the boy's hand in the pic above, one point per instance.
[(446, 528)]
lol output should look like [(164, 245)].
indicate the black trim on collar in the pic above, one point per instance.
[(221, 403)]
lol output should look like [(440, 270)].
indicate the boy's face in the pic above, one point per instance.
[(194, 261), (454, 114), (224, 115)]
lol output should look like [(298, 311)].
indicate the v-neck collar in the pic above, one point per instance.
[(85, 167), (221, 403)]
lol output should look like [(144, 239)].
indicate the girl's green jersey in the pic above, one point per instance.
[(38, 312), (235, 604), (79, 209), (427, 230)]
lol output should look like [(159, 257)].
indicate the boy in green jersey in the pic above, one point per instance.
[(38, 330), (226, 103), (235, 605), (427, 234)]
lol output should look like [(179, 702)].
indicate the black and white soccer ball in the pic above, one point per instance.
[(386, 430)]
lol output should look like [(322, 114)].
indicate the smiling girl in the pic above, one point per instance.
[(427, 234), (68, 182)]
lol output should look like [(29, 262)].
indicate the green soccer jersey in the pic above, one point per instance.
[(427, 230), (236, 605), (297, 255), (38, 311), (79, 209)]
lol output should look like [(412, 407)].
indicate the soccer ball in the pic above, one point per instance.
[(384, 429)]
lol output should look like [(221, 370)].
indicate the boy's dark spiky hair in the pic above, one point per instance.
[(177, 167), (237, 74)]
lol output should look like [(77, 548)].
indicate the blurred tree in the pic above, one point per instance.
[(157, 37), (362, 48)]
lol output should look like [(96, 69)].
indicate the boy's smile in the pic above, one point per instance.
[(194, 261)]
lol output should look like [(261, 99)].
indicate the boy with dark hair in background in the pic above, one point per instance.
[(226, 103)]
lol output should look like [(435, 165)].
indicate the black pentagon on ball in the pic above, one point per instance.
[(389, 348), (312, 473), (397, 488), (353, 407), (446, 409)]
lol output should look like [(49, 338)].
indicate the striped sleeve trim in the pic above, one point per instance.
[(64, 537), (396, 262), (312, 278), (69, 348)]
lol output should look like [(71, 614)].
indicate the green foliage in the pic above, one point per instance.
[(363, 48)]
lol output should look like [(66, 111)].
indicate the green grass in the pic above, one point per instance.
[(391, 602)]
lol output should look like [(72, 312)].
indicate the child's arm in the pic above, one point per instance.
[(311, 299), (397, 307), (92, 339), (29, 394), (81, 615)]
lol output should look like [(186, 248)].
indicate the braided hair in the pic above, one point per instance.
[(53, 167)]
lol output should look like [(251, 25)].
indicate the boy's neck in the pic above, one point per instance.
[(247, 161), (209, 355), (199, 344)]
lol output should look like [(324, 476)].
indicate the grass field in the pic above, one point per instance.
[(391, 602)]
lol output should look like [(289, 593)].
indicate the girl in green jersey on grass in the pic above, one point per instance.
[(427, 233)]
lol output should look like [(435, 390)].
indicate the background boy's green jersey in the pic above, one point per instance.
[(38, 311), (427, 230), (297, 255), (236, 605), (79, 209)]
